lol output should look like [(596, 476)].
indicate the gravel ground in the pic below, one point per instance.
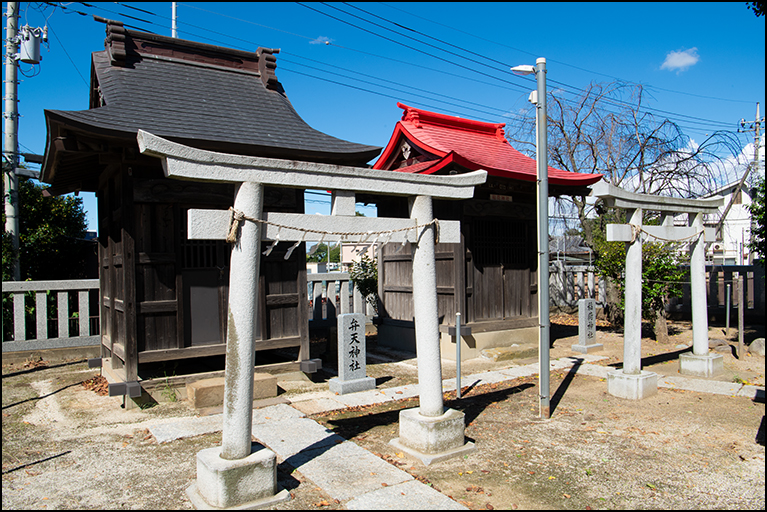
[(65, 447)]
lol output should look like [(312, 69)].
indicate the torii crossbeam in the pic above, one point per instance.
[(251, 174), (632, 382)]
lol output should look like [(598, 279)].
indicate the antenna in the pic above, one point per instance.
[(173, 31)]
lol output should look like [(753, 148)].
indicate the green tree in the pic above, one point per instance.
[(51, 236), (319, 253), (51, 241), (756, 244), (663, 272), (364, 275)]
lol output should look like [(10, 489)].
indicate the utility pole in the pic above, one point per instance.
[(756, 126), (11, 139)]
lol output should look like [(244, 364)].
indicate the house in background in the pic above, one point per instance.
[(353, 252), (164, 297), (736, 228), (491, 276)]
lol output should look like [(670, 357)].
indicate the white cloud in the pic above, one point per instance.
[(321, 40), (681, 60)]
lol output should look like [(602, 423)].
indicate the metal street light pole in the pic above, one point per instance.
[(541, 157)]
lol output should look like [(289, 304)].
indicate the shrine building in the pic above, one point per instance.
[(491, 276), (164, 297)]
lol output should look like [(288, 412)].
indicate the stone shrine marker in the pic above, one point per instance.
[(352, 368), (587, 326)]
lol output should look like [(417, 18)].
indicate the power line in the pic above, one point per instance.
[(493, 60), (692, 119), (68, 56), (562, 62), (408, 46)]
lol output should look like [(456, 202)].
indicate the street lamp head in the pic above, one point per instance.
[(523, 70)]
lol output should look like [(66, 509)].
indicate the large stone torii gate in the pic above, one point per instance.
[(632, 382), (239, 473)]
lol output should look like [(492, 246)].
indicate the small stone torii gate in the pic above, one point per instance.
[(237, 473), (632, 382)]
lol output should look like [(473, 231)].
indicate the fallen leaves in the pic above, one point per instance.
[(97, 384)]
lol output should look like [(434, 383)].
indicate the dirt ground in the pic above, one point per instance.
[(64, 446)]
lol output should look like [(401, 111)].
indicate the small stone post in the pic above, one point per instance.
[(587, 327)]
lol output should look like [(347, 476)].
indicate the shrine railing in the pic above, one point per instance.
[(50, 314), (721, 280), (332, 294), (569, 283)]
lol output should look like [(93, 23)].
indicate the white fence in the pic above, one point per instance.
[(332, 294), (569, 283), (35, 329)]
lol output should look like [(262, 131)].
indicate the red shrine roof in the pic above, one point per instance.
[(446, 140)]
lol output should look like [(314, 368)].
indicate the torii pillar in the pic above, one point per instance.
[(632, 382), (243, 474)]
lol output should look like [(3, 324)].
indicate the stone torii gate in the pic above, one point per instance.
[(632, 382), (238, 473)]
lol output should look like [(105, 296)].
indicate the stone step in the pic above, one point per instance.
[(210, 392), (515, 351)]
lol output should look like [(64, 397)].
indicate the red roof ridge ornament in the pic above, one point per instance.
[(421, 117), (410, 114)]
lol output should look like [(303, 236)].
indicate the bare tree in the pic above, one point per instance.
[(606, 130)]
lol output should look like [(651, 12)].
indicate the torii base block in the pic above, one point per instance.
[(709, 365), (632, 386), (241, 484), (432, 439)]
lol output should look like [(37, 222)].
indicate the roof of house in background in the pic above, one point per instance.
[(437, 143), (201, 95)]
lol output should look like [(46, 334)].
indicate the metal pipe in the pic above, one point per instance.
[(727, 320), (458, 355), (543, 238), (173, 31)]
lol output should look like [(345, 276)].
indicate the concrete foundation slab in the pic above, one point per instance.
[(432, 439), (250, 482), (709, 365), (632, 386), (344, 387)]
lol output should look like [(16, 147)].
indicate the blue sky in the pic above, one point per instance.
[(702, 64)]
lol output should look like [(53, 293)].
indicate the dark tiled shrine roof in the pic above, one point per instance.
[(201, 95)]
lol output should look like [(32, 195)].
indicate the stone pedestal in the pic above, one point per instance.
[(432, 438), (343, 387), (632, 386), (237, 484), (709, 365), (585, 349)]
